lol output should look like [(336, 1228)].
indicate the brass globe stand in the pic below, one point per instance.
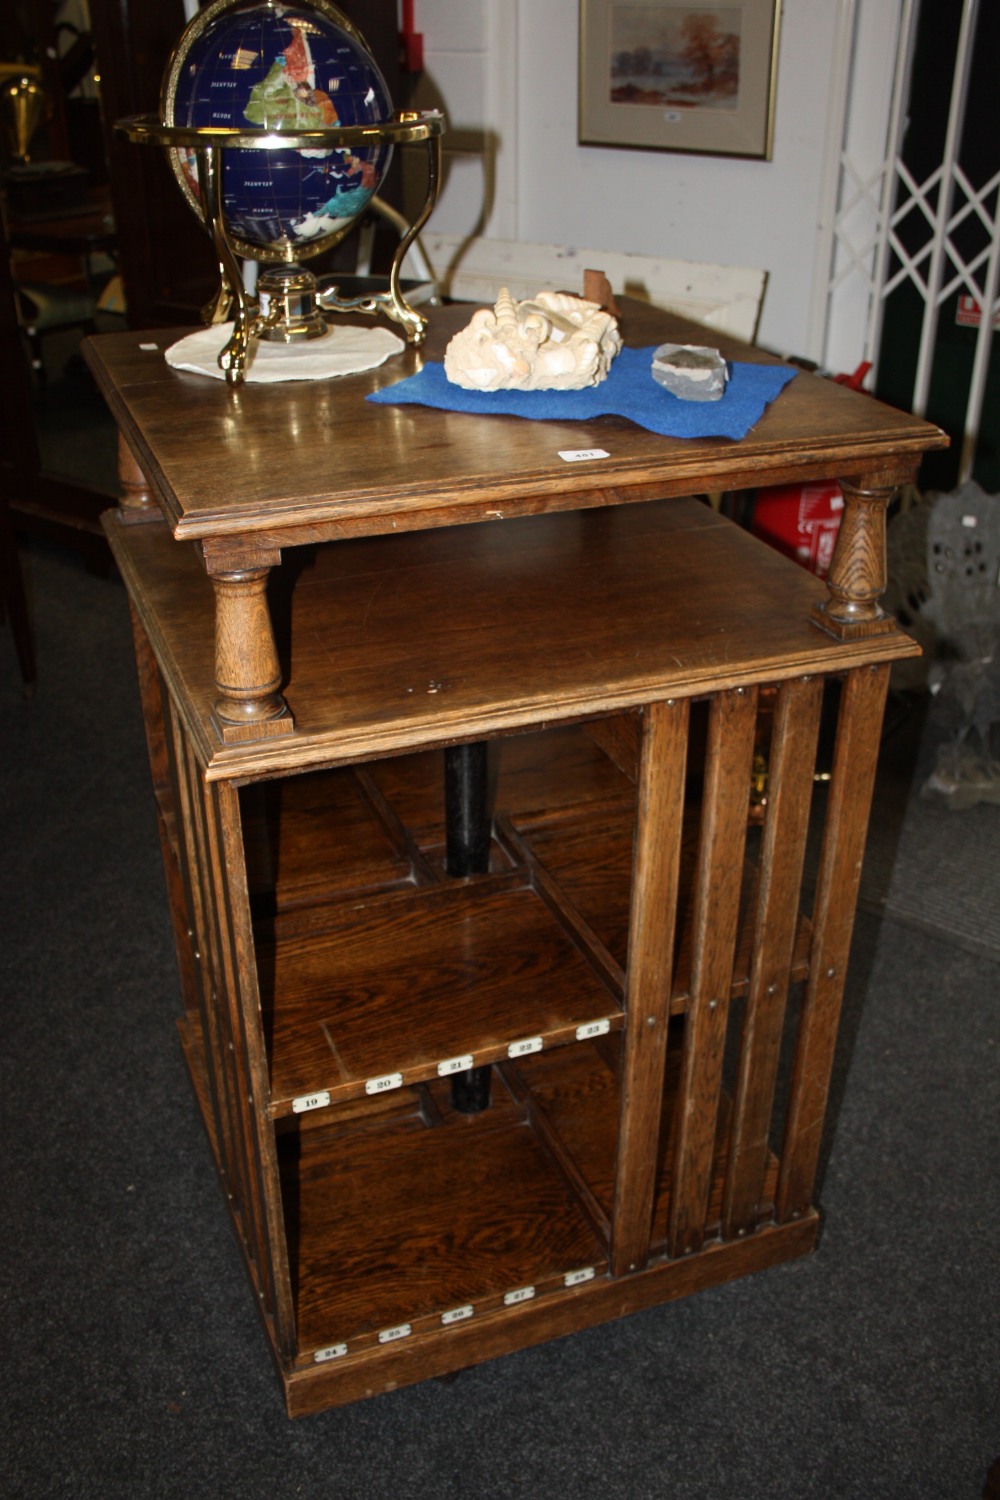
[(289, 303)]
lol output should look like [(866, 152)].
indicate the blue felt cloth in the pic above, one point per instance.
[(629, 391)]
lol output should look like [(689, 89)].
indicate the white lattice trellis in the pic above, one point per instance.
[(865, 255)]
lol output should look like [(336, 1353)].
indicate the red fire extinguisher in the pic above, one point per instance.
[(802, 520)]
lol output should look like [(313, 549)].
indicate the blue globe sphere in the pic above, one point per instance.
[(283, 68)]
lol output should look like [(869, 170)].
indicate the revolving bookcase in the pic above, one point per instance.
[(512, 919)]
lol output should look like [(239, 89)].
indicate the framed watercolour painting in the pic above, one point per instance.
[(675, 75)]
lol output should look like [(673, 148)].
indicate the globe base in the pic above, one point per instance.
[(289, 312)]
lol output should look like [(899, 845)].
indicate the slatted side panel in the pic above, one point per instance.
[(218, 1056), (791, 761), (855, 757), (152, 699), (754, 1065), (162, 762), (718, 880), (235, 1081), (238, 1006), (231, 1081)]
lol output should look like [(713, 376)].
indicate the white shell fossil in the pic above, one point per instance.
[(552, 342)]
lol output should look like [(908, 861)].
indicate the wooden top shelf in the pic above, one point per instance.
[(312, 460), (401, 642)]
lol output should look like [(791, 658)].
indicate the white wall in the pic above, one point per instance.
[(748, 213), (506, 73)]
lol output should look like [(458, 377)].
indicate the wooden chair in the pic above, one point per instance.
[(473, 269)]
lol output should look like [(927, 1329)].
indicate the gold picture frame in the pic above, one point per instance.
[(679, 75)]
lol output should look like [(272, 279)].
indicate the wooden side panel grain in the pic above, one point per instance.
[(726, 798), (585, 865), (855, 757)]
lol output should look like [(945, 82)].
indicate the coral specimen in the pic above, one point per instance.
[(551, 342)]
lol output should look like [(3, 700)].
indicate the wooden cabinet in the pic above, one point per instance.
[(645, 967)]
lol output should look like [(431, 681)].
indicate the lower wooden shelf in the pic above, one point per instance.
[(421, 1240), (317, 1385), (425, 1222), (401, 1214), (424, 1241), (574, 1101)]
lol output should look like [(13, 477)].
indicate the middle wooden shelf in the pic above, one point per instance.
[(395, 989)]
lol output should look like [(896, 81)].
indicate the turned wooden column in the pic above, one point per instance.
[(135, 499), (247, 670), (857, 576)]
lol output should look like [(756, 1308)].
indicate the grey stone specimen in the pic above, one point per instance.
[(690, 371)]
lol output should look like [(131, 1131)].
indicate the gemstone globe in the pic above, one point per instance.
[(282, 68)]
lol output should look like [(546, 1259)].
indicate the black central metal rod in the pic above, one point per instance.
[(468, 821)]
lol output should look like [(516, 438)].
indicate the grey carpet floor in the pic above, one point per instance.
[(927, 864), (133, 1364)]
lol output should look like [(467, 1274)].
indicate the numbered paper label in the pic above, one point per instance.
[(310, 1101), (524, 1047), (522, 1294), (581, 455), (457, 1315), (334, 1351), (390, 1335), (456, 1065), (577, 1278), (384, 1084), (592, 1028)]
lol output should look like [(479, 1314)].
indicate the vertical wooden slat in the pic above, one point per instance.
[(655, 877), (217, 1053), (151, 699), (179, 887), (855, 759), (242, 996), (789, 791), (155, 709), (224, 1051), (223, 1047), (718, 882), (225, 1019)]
